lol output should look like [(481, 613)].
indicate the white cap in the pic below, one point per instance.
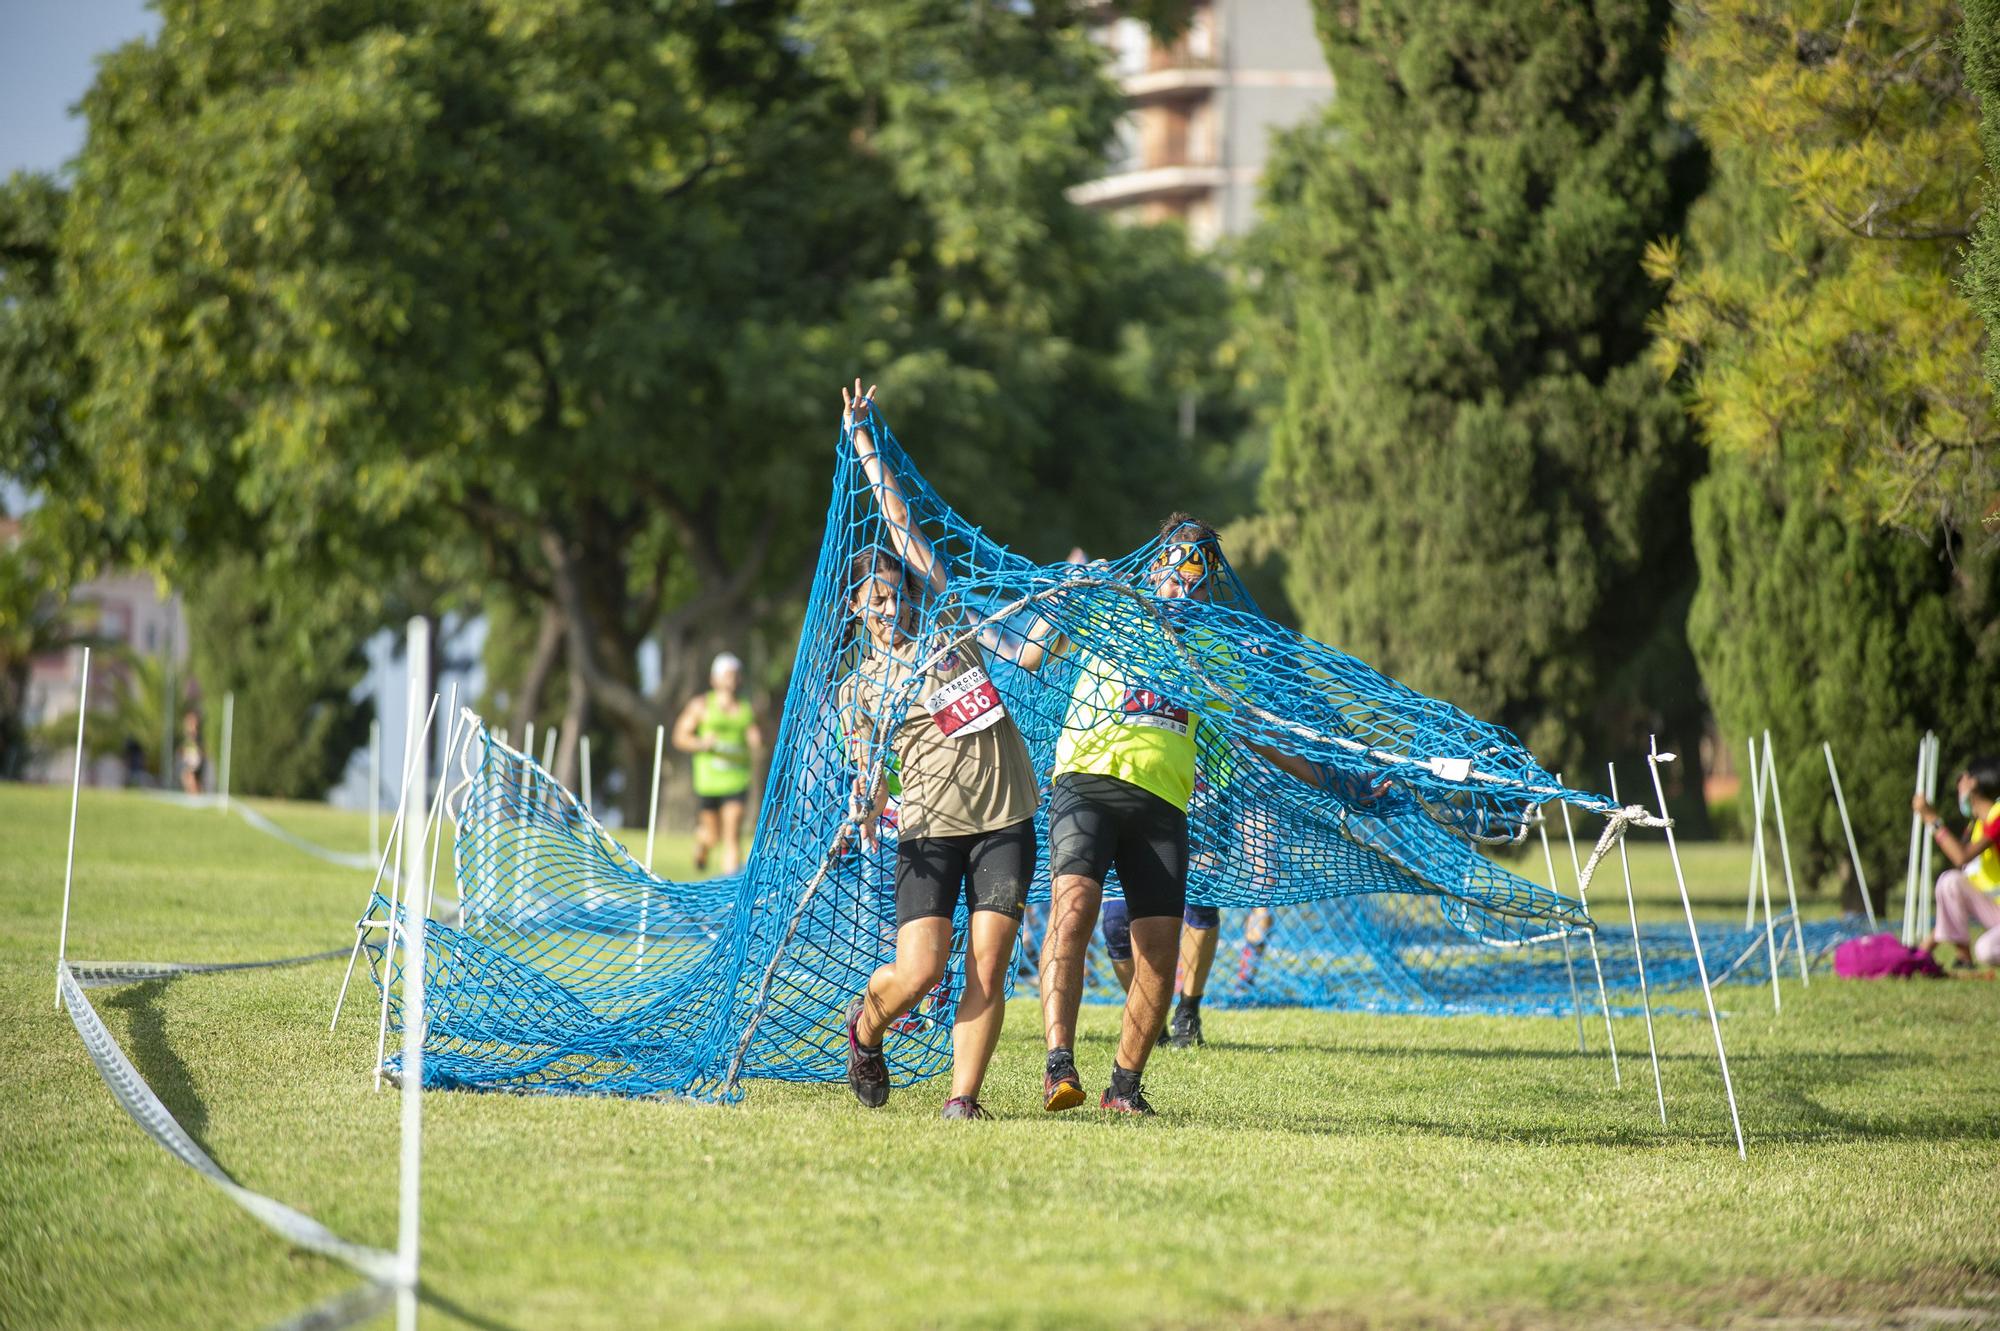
[(724, 661)]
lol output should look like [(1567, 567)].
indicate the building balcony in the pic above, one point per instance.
[(1189, 79), (1148, 183)]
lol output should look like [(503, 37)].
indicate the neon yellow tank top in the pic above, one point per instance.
[(725, 769)]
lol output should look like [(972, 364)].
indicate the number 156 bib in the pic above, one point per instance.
[(966, 705)]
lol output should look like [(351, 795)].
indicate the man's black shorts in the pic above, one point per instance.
[(995, 869), (1097, 823), (714, 803)]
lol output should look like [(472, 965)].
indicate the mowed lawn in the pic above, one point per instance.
[(1308, 1170)]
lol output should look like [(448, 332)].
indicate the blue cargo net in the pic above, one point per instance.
[(575, 970)]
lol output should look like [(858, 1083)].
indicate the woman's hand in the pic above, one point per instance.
[(854, 406), (1923, 809)]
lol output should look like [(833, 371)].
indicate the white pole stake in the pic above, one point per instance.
[(381, 872), (452, 742), (410, 1176), (1639, 956), (1603, 999), (410, 876), (653, 806), (584, 748), (228, 740), (1760, 873), (1926, 885), (1756, 788), (1575, 997), (75, 793), (1785, 854), (1847, 828), (375, 789), (1653, 760), (1916, 831), (549, 749)]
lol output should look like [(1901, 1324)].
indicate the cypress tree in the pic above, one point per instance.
[(1482, 485)]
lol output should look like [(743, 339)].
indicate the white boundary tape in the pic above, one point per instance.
[(138, 1100)]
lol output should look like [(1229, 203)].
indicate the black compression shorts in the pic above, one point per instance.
[(994, 868), (714, 803), (1097, 823)]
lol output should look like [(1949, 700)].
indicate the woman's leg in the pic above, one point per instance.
[(1954, 909), (922, 949), (1987, 911), (732, 835), (983, 1006), (704, 838)]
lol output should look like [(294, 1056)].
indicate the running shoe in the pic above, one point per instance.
[(1061, 1087), (963, 1106), (867, 1073), (1185, 1033), (1135, 1103)]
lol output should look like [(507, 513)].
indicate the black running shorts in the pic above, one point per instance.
[(1097, 823), (993, 867)]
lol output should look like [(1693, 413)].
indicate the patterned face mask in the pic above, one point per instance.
[(1185, 560)]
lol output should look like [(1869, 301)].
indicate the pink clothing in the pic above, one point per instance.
[(1958, 899)]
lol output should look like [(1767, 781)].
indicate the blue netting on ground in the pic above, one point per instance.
[(575, 970)]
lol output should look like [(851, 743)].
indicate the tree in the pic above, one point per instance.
[(40, 372), (1481, 482), (1853, 347), (289, 653), (570, 286), (1845, 594), (1979, 45)]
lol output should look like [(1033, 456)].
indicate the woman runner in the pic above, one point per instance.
[(720, 730), (967, 816)]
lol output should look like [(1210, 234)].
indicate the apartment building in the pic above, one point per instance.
[(1202, 110)]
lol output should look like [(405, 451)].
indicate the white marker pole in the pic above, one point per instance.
[(454, 739), (1596, 965), (549, 750), (1847, 828), (416, 789), (1653, 760), (381, 871), (1575, 998), (75, 793), (1926, 885), (584, 750), (1760, 873), (228, 739), (1639, 956), (375, 789), (414, 1023), (1785, 854), (653, 806), (1916, 831), (1756, 836)]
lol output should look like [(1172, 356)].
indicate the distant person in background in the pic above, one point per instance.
[(721, 731), (1966, 892), (135, 762), (193, 762)]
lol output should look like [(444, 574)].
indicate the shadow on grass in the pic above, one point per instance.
[(164, 1071), (1781, 1097), (430, 1298)]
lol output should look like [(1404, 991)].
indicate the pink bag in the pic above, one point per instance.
[(1880, 955)]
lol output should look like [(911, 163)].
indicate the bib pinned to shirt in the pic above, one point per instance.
[(1143, 707), (966, 704)]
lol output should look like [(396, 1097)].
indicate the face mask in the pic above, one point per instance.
[(1965, 805)]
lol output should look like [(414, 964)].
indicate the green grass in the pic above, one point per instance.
[(1310, 1170)]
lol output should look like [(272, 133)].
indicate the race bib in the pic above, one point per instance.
[(967, 705), (1143, 707)]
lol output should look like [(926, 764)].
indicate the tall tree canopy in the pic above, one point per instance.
[(571, 285), (1480, 481), (1845, 592)]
